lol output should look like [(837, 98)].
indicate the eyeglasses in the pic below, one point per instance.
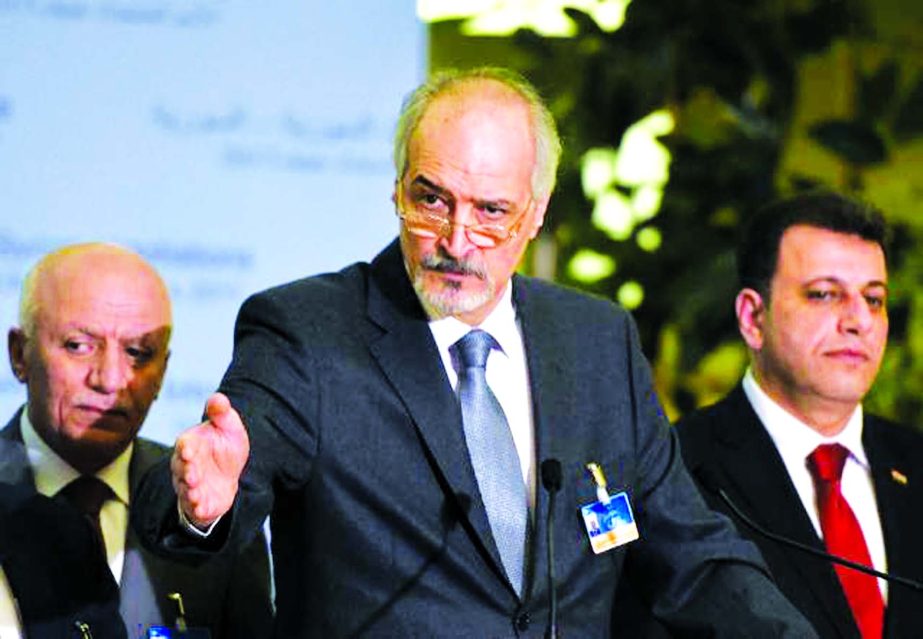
[(425, 223)]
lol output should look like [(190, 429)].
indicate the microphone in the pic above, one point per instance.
[(551, 481), (707, 479)]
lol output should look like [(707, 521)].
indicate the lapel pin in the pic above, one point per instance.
[(899, 477)]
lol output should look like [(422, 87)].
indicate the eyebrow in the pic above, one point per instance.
[(831, 279), (422, 180), (141, 338), (83, 330)]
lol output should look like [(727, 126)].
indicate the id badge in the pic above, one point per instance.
[(609, 523)]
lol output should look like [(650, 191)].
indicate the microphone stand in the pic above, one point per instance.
[(909, 583), (551, 480)]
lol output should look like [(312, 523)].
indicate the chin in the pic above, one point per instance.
[(446, 299), (847, 393)]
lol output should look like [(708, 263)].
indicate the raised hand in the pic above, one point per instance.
[(207, 462)]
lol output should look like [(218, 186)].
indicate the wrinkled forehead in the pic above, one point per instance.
[(476, 107), (474, 136), (113, 290)]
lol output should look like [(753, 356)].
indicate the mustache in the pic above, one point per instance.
[(447, 264)]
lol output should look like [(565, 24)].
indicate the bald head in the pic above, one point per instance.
[(53, 274), (91, 348)]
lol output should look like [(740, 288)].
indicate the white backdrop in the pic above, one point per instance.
[(236, 144)]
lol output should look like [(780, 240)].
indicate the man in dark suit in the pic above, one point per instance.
[(47, 551), (399, 466), (812, 311), (92, 349)]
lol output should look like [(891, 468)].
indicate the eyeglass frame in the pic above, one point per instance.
[(442, 226)]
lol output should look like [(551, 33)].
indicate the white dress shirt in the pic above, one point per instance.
[(51, 475), (507, 375), (795, 440)]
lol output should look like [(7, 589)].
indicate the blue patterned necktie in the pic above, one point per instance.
[(493, 454)]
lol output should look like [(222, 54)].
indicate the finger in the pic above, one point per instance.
[(181, 472), (189, 443), (183, 463), (222, 415), (217, 406)]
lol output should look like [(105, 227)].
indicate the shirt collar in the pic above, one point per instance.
[(792, 437), (53, 473)]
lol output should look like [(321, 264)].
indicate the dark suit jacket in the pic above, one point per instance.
[(728, 442), (229, 596), (51, 561), (378, 528)]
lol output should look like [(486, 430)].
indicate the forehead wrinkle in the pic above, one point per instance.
[(476, 114), (137, 292)]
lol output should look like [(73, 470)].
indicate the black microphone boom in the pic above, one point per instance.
[(709, 484), (551, 480)]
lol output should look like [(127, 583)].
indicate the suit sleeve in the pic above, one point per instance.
[(269, 382), (696, 574)]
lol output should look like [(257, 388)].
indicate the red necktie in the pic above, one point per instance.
[(843, 537)]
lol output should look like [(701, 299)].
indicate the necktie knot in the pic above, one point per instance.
[(827, 461), (474, 348), (88, 494)]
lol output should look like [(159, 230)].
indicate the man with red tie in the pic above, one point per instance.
[(791, 445)]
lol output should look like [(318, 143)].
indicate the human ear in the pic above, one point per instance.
[(751, 314), (538, 218), (16, 347)]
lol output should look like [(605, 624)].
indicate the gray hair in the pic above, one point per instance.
[(544, 129)]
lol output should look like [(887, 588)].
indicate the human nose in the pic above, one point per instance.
[(857, 316), (455, 239), (108, 373)]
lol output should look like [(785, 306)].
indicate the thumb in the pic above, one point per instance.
[(221, 414)]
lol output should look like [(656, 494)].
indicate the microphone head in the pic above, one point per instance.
[(551, 475)]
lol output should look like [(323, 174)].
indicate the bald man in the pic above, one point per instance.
[(92, 350)]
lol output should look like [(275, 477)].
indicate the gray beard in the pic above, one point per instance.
[(449, 300)]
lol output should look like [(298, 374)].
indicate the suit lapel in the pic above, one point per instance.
[(898, 509), (544, 354), (760, 485), (893, 491), (407, 355), (14, 462)]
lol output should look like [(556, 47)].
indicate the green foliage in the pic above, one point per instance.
[(769, 97)]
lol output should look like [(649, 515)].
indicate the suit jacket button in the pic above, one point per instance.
[(522, 621)]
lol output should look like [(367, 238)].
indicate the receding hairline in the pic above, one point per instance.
[(476, 88), (51, 263), (484, 82), (467, 100)]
